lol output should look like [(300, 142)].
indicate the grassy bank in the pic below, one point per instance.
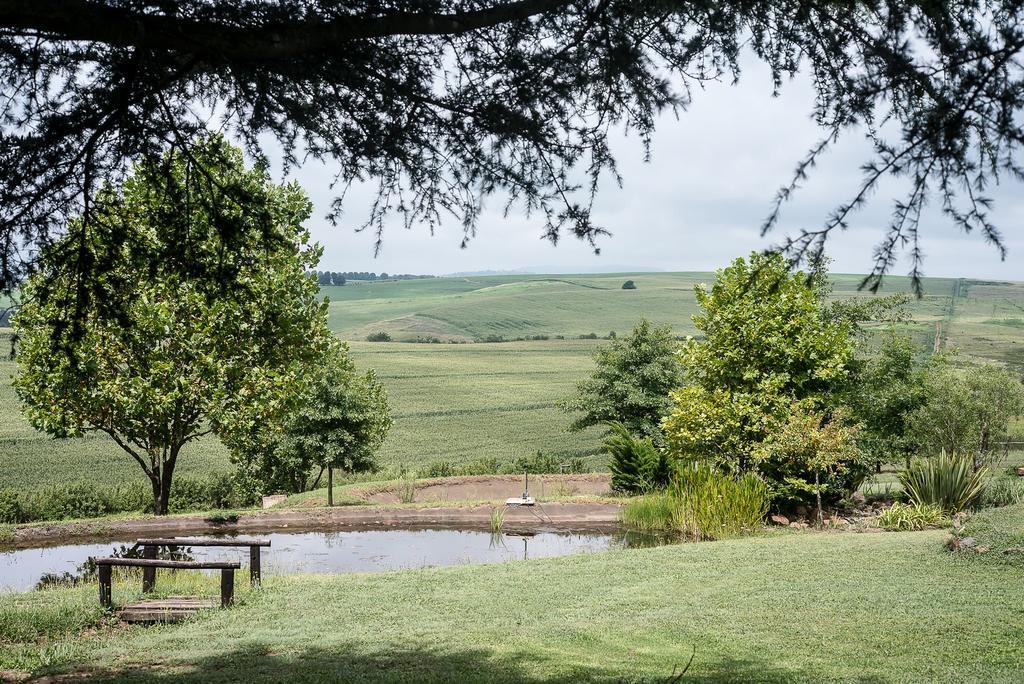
[(793, 607)]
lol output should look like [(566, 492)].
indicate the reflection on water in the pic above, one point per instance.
[(86, 571), (328, 552)]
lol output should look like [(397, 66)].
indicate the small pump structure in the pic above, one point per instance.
[(525, 499)]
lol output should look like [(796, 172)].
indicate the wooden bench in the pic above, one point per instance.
[(150, 546), (105, 566)]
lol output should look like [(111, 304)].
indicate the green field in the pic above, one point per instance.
[(793, 607), (466, 401)]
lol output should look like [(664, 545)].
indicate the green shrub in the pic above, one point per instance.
[(88, 500), (906, 517), (1003, 491), (10, 508), (949, 482), (629, 285), (378, 337), (76, 500), (703, 503), (439, 469), (637, 466)]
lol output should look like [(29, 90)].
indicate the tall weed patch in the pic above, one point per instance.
[(703, 503)]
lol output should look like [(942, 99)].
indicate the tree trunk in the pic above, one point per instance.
[(159, 499), (817, 494), (330, 486), (162, 483)]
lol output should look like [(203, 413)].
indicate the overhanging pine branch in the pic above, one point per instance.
[(83, 20)]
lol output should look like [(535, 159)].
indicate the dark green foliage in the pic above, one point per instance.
[(637, 466), (540, 463), (87, 500), (588, 336), (966, 411), (378, 337), (629, 285), (11, 511), (884, 392), (372, 90), (187, 354), (337, 419), (439, 469), (631, 383)]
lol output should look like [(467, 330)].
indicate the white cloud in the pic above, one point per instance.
[(699, 203)]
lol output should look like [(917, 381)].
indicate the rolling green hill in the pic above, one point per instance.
[(465, 401)]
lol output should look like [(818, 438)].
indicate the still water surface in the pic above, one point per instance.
[(332, 552)]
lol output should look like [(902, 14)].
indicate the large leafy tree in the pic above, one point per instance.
[(769, 342), (630, 383), (338, 420), (446, 102), (181, 355)]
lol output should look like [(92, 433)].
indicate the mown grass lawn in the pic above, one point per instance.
[(789, 607)]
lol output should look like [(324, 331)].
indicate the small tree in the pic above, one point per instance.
[(338, 420), (636, 464), (807, 441), (885, 392), (186, 354), (631, 383), (966, 411), (629, 285)]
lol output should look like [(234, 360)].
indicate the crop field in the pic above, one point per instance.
[(460, 402)]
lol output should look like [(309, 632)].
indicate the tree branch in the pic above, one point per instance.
[(82, 20)]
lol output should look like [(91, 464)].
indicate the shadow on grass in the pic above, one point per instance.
[(256, 664)]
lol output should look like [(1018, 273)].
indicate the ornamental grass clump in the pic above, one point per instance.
[(901, 517), (703, 503), (949, 482)]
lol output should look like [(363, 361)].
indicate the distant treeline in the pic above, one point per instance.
[(341, 277)]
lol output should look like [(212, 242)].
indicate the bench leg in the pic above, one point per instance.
[(227, 587), (254, 566), (148, 574), (104, 573)]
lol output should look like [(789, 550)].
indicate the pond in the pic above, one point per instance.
[(331, 552)]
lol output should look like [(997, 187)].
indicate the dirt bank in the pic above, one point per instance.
[(497, 488), (555, 515)]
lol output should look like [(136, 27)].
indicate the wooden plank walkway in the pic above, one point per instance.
[(171, 609)]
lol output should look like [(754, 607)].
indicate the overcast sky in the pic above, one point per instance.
[(696, 205)]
